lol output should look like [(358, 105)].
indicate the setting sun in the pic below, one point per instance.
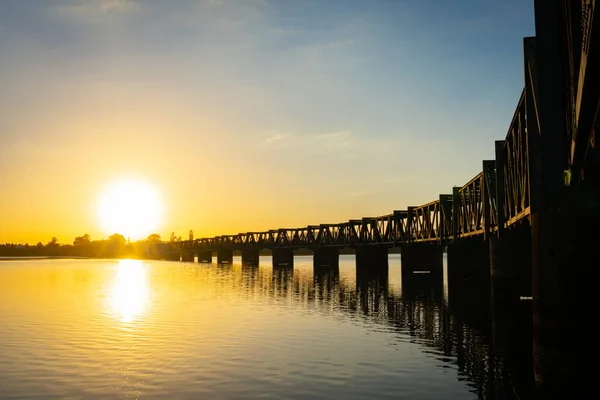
[(132, 208)]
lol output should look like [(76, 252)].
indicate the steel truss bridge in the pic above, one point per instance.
[(549, 151)]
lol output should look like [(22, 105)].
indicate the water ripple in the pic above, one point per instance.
[(141, 329)]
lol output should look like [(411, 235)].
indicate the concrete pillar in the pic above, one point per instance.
[(468, 263), (326, 258), (283, 257), (250, 257), (510, 266), (174, 256), (565, 254), (371, 262), (224, 257), (422, 260), (205, 256), (187, 257)]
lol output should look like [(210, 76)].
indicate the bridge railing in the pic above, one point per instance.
[(474, 205), (468, 208), (431, 222), (512, 169), (494, 198)]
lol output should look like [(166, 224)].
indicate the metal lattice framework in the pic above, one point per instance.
[(552, 133), (512, 168)]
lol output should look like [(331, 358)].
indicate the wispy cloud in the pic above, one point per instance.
[(398, 151), (277, 137), (94, 8), (329, 142)]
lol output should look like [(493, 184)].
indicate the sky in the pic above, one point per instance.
[(248, 115)]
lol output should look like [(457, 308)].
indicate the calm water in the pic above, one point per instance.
[(85, 329)]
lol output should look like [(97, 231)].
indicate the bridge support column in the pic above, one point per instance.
[(250, 257), (175, 256), (510, 266), (326, 258), (371, 261), (283, 257), (422, 260), (187, 257), (205, 256), (468, 264), (565, 253), (224, 257)]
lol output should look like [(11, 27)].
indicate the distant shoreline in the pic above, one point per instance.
[(9, 258)]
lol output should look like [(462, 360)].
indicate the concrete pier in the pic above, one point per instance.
[(224, 257), (187, 257), (468, 263), (422, 260), (326, 257), (205, 256), (250, 257), (371, 261), (173, 256), (283, 257), (510, 266), (565, 253)]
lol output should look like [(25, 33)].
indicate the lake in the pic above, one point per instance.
[(88, 328)]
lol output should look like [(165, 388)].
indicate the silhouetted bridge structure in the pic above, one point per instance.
[(530, 215)]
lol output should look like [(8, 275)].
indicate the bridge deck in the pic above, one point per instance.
[(560, 70)]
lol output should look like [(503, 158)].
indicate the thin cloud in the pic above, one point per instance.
[(271, 139), (96, 8)]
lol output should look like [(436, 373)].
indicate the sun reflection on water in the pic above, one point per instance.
[(129, 295)]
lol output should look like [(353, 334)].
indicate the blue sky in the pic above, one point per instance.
[(255, 113)]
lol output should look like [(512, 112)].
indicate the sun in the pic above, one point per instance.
[(130, 207)]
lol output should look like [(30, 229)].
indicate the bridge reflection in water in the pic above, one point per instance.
[(461, 329)]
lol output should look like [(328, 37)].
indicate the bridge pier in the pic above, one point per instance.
[(283, 257), (187, 257), (468, 263), (565, 253), (250, 257), (174, 256), (224, 257), (371, 262), (205, 256), (510, 266), (326, 258), (422, 260)]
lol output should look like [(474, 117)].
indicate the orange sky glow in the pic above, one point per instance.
[(240, 117)]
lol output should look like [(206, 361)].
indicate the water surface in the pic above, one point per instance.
[(85, 329)]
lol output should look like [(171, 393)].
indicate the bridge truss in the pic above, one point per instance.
[(552, 133)]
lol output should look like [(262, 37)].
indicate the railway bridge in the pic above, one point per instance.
[(531, 215)]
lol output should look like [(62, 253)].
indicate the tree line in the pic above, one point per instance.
[(115, 246)]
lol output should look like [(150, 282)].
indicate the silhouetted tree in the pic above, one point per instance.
[(52, 247), (117, 239), (155, 237), (82, 240), (191, 235), (116, 245)]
